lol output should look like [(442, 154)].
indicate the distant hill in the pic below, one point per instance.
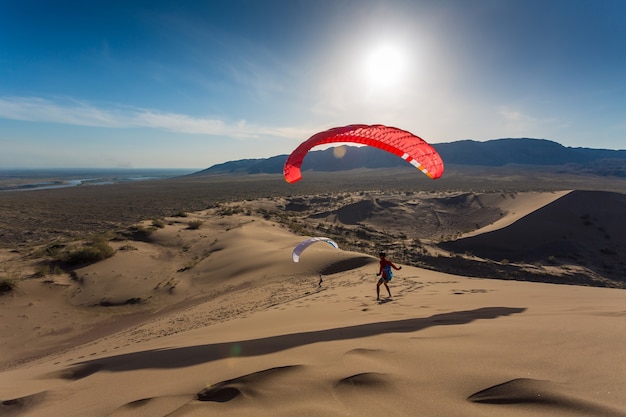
[(497, 152)]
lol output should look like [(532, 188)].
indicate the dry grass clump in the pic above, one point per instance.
[(158, 223), (92, 251), (7, 285), (139, 232), (229, 210), (194, 224), (43, 270), (8, 280)]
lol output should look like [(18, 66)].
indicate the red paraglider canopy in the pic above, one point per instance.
[(399, 142)]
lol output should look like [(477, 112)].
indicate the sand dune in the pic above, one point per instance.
[(580, 227), (218, 320)]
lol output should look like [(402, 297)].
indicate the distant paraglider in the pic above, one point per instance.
[(399, 142), (300, 247)]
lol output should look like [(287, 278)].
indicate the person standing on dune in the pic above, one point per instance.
[(385, 273)]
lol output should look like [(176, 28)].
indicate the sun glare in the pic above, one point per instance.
[(385, 65), (340, 151)]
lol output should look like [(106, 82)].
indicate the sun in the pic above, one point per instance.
[(385, 65)]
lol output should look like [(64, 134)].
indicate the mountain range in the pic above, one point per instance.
[(492, 153)]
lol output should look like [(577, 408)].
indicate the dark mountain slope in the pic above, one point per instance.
[(496, 152)]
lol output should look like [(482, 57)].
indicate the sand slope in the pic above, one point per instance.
[(581, 227), (445, 345), (225, 323)]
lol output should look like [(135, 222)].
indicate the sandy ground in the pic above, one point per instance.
[(219, 321)]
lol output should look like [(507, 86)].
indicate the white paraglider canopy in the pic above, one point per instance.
[(300, 247)]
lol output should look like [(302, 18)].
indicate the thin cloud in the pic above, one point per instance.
[(33, 109), (39, 110)]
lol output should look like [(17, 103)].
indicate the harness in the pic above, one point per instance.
[(387, 273)]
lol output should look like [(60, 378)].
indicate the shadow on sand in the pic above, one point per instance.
[(193, 355)]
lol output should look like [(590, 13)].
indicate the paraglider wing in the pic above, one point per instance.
[(399, 142), (300, 247)]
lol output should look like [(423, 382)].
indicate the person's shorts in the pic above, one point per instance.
[(387, 278)]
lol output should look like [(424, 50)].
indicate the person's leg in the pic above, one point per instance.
[(380, 281), (387, 286)]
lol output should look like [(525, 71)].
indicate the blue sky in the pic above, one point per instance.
[(188, 84)]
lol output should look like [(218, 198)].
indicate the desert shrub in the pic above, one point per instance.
[(127, 247), (7, 285), (9, 280), (139, 232), (229, 211), (46, 269), (159, 223), (53, 249), (179, 214), (42, 270), (90, 252), (194, 224)]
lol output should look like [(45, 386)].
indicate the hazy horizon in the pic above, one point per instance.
[(195, 169)]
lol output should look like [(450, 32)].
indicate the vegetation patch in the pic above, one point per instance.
[(139, 232), (7, 285), (194, 224), (90, 252), (9, 280), (46, 269), (229, 210), (158, 223)]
